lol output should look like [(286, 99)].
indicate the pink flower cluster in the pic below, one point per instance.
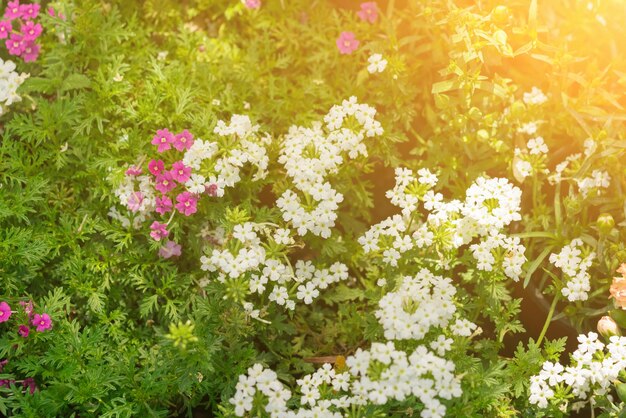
[(347, 42), (29, 382), (41, 322), (167, 182), (21, 40), (252, 4)]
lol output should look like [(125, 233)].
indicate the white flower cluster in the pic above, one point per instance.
[(10, 80), (598, 180), (535, 97), (571, 261), (311, 155), (239, 144), (593, 370), (499, 250), (374, 377), (247, 254), (489, 206), (138, 195), (377, 64), (418, 304)]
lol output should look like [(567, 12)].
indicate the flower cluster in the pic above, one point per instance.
[(535, 97), (10, 80), (21, 40), (530, 160), (347, 42), (489, 206), (42, 322), (574, 265), (246, 253), (594, 368), (376, 376), (419, 303), (311, 155)]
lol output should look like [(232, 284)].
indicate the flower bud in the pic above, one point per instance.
[(500, 14), (607, 327), (605, 223)]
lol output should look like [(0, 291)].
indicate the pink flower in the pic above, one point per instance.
[(13, 10), (187, 203), (5, 29), (30, 52), (28, 307), (156, 167), (14, 44), (52, 13), (211, 189), (347, 43), (252, 4), (368, 12), (3, 363), (42, 322), (5, 312), (163, 139), (165, 182), (159, 231), (30, 30), (133, 170), (134, 201), (163, 205), (180, 172), (169, 250), (24, 331), (183, 140), (29, 11)]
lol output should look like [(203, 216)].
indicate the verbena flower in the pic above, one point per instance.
[(187, 203), (368, 12), (5, 312), (163, 140), (347, 42), (158, 231), (171, 249), (42, 322)]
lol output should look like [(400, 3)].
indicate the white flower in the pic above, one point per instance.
[(535, 97), (376, 64)]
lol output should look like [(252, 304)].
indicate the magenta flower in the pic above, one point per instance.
[(30, 30), (30, 383), (170, 249), (5, 29), (29, 11), (187, 203), (165, 182), (183, 140), (30, 52), (163, 205), (15, 44), (5, 312), (3, 363), (13, 10), (156, 167), (159, 231), (163, 139), (252, 4), (24, 331), (347, 42), (134, 201), (42, 322), (133, 170), (368, 12), (180, 172)]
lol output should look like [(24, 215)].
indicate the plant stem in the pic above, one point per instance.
[(548, 319)]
